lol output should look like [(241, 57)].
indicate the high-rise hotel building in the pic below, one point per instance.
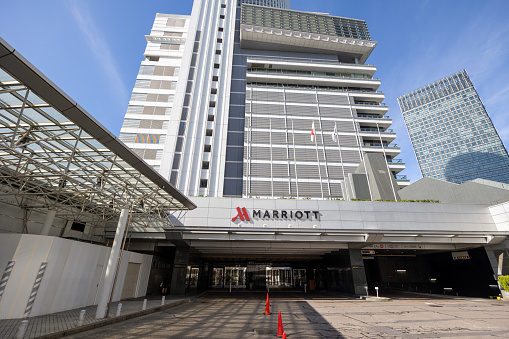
[(452, 134), (227, 99)]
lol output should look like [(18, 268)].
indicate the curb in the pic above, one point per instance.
[(112, 320)]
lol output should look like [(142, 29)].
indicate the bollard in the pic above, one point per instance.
[(305, 288), (367, 294), (144, 307), (376, 289), (82, 318), (22, 329), (119, 308), (162, 300)]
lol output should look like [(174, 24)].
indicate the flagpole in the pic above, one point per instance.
[(341, 159), (313, 136)]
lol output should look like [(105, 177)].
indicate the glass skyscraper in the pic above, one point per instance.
[(452, 134)]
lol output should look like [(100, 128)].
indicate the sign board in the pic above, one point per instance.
[(367, 251), (390, 246), (460, 255)]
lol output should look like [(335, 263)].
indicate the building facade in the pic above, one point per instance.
[(251, 84), (452, 134)]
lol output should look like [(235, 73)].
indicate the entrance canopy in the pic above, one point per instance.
[(54, 155)]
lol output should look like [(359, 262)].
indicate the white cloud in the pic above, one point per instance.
[(98, 46)]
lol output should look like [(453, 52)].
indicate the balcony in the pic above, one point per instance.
[(369, 116), (375, 144), (395, 161), (401, 177), (376, 130), (369, 103)]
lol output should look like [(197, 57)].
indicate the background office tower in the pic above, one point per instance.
[(452, 134), (226, 99)]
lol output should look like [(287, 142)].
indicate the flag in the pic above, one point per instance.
[(335, 134), (313, 131)]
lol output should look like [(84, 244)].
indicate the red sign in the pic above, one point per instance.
[(242, 214)]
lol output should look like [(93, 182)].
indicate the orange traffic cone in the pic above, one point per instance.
[(280, 330), (267, 306), (284, 335)]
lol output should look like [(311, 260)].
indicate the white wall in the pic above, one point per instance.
[(72, 278)]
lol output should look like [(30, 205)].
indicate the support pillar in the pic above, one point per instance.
[(178, 277), (50, 216), (111, 268), (358, 271)]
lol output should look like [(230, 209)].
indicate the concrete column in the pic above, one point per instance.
[(111, 268), (50, 216), (178, 278), (358, 272)]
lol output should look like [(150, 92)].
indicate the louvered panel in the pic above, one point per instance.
[(300, 97), (263, 108), (293, 189), (341, 126), (278, 138), (305, 154), (259, 122), (309, 189), (350, 156), (142, 84), (343, 140), (304, 124), (268, 95), (260, 188), (299, 110), (279, 153), (262, 153), (260, 170), (277, 123), (280, 188), (308, 171), (260, 137), (335, 172), (131, 123), (335, 112), (333, 99), (134, 110), (280, 170), (336, 190)]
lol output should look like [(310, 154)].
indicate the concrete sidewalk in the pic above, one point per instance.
[(56, 325)]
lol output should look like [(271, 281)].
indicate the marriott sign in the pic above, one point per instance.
[(243, 214)]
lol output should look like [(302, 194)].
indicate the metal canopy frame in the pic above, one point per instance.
[(54, 155)]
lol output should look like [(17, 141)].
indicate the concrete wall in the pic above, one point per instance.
[(499, 254), (72, 278)]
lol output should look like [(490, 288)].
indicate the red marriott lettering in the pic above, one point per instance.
[(242, 214)]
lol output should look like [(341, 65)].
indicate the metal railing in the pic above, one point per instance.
[(376, 130)]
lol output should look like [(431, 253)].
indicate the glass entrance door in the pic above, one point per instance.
[(235, 277), (279, 277), (299, 277), (217, 277)]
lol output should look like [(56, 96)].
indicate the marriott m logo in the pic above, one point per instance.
[(242, 214)]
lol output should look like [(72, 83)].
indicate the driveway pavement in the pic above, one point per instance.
[(241, 315)]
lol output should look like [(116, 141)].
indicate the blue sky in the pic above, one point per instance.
[(92, 49)]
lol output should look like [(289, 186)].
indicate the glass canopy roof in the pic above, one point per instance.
[(54, 155)]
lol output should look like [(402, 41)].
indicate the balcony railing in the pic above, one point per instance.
[(374, 144), (376, 130), (395, 161), (370, 103), (373, 116), (304, 73), (401, 177)]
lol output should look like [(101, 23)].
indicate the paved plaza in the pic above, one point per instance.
[(241, 315)]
